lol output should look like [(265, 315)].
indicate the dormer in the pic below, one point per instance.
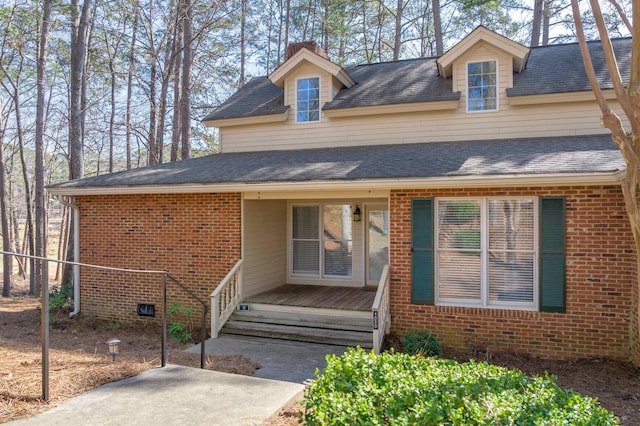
[(309, 80), (481, 67)]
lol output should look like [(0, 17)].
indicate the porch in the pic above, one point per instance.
[(346, 316), (318, 297)]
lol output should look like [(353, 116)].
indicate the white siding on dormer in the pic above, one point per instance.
[(484, 52), (565, 119), (306, 70)]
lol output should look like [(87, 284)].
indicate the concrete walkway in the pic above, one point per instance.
[(173, 395), (279, 359), (177, 395)]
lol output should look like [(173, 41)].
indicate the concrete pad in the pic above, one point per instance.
[(173, 395), (280, 359)]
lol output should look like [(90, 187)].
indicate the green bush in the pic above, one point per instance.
[(361, 388), (421, 342), (178, 330), (60, 298)]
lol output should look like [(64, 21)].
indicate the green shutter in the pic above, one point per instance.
[(422, 250), (552, 254)]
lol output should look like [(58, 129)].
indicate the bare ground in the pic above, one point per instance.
[(79, 362), (78, 357)]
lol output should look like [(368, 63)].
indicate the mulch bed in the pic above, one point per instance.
[(79, 362)]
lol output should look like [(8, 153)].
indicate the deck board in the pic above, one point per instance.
[(313, 296)]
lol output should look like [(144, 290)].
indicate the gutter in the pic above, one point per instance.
[(76, 252), (474, 181)]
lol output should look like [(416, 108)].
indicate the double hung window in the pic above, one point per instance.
[(486, 251)]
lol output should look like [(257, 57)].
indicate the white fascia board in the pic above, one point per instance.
[(607, 178)]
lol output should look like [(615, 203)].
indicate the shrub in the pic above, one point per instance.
[(60, 298), (178, 330), (421, 342), (400, 389)]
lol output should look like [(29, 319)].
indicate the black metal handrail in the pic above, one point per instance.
[(205, 311)]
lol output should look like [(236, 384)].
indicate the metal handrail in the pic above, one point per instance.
[(381, 311), (228, 291), (205, 311)]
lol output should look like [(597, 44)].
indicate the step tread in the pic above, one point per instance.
[(310, 334), (304, 320)]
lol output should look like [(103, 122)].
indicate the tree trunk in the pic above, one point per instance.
[(7, 263), (29, 231), (627, 141), (79, 46), (185, 99), (243, 41), (40, 206), (175, 132), (437, 27), (546, 21), (397, 37), (132, 50), (536, 22)]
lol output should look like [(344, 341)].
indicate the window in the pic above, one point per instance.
[(322, 241), (482, 86), (486, 252), (308, 100)]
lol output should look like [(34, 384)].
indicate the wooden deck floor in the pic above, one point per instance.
[(312, 296)]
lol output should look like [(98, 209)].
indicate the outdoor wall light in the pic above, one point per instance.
[(357, 215), (113, 347)]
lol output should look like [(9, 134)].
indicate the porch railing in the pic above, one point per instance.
[(225, 298), (381, 311)]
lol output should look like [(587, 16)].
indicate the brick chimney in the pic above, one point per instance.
[(293, 48)]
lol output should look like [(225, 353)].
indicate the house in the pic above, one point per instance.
[(474, 195)]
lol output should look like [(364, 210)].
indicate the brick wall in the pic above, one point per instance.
[(601, 290), (195, 237)]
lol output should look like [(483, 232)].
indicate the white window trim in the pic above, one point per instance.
[(319, 99), (319, 276), (466, 73), (484, 248)]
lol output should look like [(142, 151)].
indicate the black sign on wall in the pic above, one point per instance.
[(146, 310)]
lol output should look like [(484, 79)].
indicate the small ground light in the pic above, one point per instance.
[(113, 347)]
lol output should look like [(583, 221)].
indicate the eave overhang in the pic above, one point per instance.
[(278, 76), (485, 181), (391, 109), (242, 121), (518, 52), (556, 98)]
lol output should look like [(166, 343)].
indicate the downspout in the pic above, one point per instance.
[(76, 254)]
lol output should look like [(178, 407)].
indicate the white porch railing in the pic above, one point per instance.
[(225, 298), (381, 311)]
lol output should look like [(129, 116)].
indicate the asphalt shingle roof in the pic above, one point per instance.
[(529, 156), (559, 69), (390, 83), (550, 69)]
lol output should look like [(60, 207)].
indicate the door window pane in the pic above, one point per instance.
[(378, 242), (338, 240)]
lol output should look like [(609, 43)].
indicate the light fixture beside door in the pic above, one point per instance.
[(357, 214)]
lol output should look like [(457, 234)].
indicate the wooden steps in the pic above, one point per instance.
[(349, 328)]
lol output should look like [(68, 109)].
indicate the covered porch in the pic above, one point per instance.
[(311, 269), (358, 299)]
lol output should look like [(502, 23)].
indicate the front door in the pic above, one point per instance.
[(377, 236)]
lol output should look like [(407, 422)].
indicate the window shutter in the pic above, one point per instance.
[(422, 251), (552, 254)]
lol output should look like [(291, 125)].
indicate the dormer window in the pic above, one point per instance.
[(308, 100), (482, 86)]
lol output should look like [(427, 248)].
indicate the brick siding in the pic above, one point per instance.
[(601, 291), (195, 237)]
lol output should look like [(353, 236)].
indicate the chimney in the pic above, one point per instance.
[(293, 48)]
